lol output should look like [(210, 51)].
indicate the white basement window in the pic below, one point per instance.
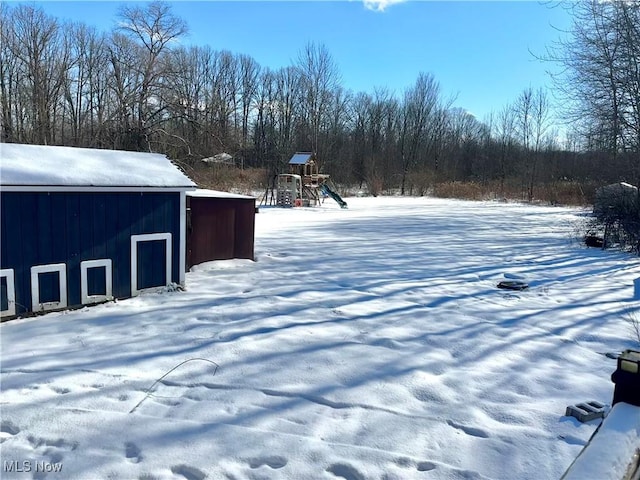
[(7, 278), (151, 237), (55, 273), (87, 296)]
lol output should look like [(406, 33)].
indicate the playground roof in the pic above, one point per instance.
[(301, 158)]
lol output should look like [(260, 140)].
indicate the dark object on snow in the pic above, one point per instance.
[(593, 241), (627, 378), (586, 411), (513, 285)]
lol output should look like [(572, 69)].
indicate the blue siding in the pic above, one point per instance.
[(44, 228), (44, 236), (73, 243)]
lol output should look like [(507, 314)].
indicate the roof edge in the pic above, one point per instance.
[(92, 188)]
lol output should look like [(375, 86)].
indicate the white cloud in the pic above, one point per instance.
[(380, 5)]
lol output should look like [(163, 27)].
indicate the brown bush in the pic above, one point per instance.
[(558, 193), (561, 193), (419, 183), (461, 190), (229, 178), (376, 184)]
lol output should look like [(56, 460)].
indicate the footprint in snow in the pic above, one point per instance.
[(473, 431), (403, 462), (54, 456), (190, 473), (387, 343), (7, 430), (60, 390), (147, 476), (274, 462), (425, 466), (345, 471), (132, 452), (61, 443)]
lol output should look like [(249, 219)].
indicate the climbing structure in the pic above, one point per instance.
[(304, 185)]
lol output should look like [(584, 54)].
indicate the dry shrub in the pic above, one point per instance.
[(419, 183), (376, 184), (558, 193), (229, 178), (561, 193), (461, 190)]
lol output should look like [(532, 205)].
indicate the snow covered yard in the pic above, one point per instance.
[(369, 343)]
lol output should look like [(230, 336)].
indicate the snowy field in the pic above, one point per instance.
[(368, 343)]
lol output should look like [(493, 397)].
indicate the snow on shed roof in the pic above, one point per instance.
[(201, 192), (41, 165), (300, 158)]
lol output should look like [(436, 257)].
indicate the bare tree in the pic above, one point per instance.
[(123, 131), (334, 137), (465, 134), (288, 94), (85, 89), (532, 114), (183, 86), (600, 80), (10, 79), (222, 88), (266, 137), (42, 59), (249, 74), (152, 27), (421, 107), (319, 76), (505, 130)]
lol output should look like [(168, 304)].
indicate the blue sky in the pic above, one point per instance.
[(479, 51)]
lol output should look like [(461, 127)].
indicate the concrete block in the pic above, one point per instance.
[(586, 411)]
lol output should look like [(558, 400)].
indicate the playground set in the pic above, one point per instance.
[(303, 186)]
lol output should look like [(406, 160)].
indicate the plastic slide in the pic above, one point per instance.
[(324, 188)]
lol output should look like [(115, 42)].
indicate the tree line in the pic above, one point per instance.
[(137, 88)]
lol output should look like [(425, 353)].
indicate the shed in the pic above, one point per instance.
[(80, 226), (220, 226)]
